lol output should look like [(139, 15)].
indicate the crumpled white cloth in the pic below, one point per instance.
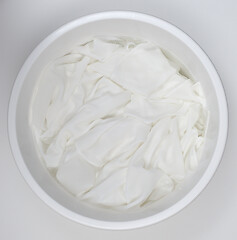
[(121, 126)]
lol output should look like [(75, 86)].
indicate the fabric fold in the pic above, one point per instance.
[(118, 123)]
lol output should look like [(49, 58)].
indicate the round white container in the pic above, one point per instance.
[(127, 24)]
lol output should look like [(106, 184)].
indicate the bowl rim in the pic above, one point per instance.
[(192, 194)]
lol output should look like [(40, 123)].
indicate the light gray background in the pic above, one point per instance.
[(212, 23)]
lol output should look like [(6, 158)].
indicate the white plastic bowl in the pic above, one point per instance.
[(127, 24)]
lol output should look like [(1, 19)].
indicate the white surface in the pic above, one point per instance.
[(24, 24)]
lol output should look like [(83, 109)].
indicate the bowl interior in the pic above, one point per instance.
[(55, 47)]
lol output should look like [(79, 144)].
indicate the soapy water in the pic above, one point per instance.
[(122, 125)]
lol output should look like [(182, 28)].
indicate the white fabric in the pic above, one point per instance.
[(121, 126)]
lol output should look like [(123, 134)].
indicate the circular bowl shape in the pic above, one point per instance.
[(135, 25)]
